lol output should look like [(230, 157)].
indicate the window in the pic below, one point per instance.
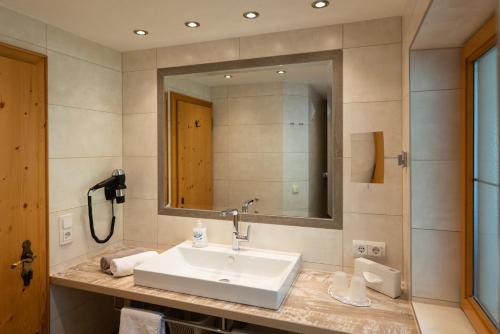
[(480, 286)]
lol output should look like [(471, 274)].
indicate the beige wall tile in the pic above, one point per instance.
[(67, 43), (142, 177), (436, 264), (221, 166), (220, 139), (383, 228), (269, 138), (77, 83), (82, 240), (139, 60), (22, 44), (252, 90), (256, 166), (372, 74), (436, 195), (255, 110), (21, 27), (141, 220), (220, 114), (70, 179), (221, 194), (374, 198), (83, 133), (140, 94), (373, 32), (289, 42), (198, 53), (140, 137), (435, 69), (371, 117), (435, 125), (269, 195)]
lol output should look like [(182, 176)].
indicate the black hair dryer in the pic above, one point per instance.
[(114, 189)]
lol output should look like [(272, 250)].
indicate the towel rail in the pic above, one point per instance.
[(212, 329)]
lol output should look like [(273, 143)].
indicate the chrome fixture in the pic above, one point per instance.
[(140, 32), (251, 15), (280, 71), (318, 4), (403, 159), (247, 204), (237, 237), (192, 24), (228, 76)]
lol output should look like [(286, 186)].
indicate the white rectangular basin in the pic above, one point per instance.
[(248, 276)]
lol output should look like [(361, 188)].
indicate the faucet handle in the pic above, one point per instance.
[(245, 237)]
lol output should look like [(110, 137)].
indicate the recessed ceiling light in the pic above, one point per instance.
[(320, 3), (192, 24), (280, 71), (228, 76), (140, 32), (251, 15)]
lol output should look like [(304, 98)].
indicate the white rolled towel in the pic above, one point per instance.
[(124, 266)]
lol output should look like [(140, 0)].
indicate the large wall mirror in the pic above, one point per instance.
[(262, 136)]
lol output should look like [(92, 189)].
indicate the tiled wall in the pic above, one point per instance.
[(435, 138), (85, 144), (372, 97)]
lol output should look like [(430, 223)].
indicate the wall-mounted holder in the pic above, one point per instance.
[(403, 159)]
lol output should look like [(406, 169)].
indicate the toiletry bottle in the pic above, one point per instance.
[(200, 235)]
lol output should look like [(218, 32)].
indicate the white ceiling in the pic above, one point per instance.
[(450, 23), (110, 22)]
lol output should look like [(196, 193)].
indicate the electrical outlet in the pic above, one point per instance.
[(368, 248), (65, 229)]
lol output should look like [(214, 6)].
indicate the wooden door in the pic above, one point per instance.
[(23, 190), (191, 153)]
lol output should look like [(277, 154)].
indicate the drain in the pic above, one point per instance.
[(224, 280)]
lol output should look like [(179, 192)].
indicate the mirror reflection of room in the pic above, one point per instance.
[(258, 135)]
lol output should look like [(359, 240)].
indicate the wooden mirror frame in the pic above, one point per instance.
[(337, 149)]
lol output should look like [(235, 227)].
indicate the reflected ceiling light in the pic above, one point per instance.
[(140, 32), (228, 76), (320, 4), (251, 15), (192, 24), (280, 71)]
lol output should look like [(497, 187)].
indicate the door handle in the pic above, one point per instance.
[(27, 258)]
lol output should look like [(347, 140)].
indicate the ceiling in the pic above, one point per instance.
[(110, 22), (450, 23), (317, 75)]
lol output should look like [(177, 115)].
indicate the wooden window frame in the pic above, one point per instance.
[(482, 41)]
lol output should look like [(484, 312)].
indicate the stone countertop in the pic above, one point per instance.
[(308, 308)]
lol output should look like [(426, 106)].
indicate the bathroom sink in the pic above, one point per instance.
[(248, 276)]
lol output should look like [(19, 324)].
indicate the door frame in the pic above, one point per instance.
[(171, 140), (38, 59), (483, 40)]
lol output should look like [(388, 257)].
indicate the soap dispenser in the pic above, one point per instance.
[(200, 239)]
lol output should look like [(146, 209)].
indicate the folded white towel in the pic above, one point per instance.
[(124, 266), (136, 321)]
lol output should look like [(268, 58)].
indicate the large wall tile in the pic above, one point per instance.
[(140, 94), (83, 133), (67, 43), (142, 177), (384, 198), (141, 220), (256, 166), (436, 195), (269, 195), (82, 239), (435, 69), (372, 74), (371, 117), (373, 32), (436, 264), (198, 53), (76, 83), (383, 228), (289, 42), (140, 137), (21, 27), (139, 60), (435, 125), (70, 179)]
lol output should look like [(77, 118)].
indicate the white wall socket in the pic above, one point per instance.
[(368, 248), (65, 229)]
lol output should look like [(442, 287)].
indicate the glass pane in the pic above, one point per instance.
[(486, 187)]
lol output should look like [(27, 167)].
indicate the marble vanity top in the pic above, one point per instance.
[(308, 308)]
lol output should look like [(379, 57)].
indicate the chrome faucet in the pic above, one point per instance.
[(247, 204), (237, 237)]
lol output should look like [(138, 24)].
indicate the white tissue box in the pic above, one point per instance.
[(378, 277)]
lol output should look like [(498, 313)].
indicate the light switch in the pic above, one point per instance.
[(65, 229), (295, 189)]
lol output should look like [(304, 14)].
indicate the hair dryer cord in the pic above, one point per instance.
[(91, 220)]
